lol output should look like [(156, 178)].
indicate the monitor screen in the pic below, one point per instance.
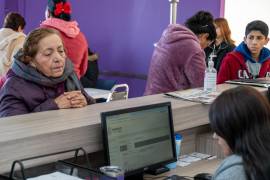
[(138, 138)]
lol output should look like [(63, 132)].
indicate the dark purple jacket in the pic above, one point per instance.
[(19, 96)]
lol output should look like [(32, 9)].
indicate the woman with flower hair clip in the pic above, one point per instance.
[(58, 16)]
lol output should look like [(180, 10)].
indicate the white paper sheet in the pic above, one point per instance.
[(55, 176)]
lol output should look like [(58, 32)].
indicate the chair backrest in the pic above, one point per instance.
[(105, 84), (118, 92)]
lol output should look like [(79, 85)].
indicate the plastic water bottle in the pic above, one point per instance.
[(178, 140), (210, 77)]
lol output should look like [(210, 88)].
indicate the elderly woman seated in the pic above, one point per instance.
[(41, 78)]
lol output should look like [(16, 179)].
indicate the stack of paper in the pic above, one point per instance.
[(186, 160), (260, 82), (195, 95)]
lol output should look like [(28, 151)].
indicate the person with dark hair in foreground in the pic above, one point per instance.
[(240, 119), (58, 16), (11, 40), (178, 61), (41, 78)]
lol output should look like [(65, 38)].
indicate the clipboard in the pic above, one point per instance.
[(259, 82)]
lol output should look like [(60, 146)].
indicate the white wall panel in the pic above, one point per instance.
[(240, 12)]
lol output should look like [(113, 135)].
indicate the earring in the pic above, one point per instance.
[(32, 64)]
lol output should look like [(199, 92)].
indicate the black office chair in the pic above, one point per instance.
[(268, 94), (105, 84)]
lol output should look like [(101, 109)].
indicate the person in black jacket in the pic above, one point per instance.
[(89, 80), (222, 45)]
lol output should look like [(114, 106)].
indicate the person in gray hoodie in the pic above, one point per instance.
[(240, 119), (178, 61), (11, 40)]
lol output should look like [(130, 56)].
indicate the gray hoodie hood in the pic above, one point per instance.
[(7, 35)]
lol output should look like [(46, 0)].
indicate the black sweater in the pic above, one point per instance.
[(220, 51)]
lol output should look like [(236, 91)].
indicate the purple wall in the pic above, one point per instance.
[(222, 8), (2, 12), (122, 31), (7, 6)]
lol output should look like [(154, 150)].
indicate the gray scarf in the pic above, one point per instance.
[(29, 73)]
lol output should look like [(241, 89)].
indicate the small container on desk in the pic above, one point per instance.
[(178, 140), (113, 172)]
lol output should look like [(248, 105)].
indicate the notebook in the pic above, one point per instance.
[(260, 82)]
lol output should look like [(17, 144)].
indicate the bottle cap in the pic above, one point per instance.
[(178, 137)]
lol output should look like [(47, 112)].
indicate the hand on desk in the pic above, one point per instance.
[(72, 99)]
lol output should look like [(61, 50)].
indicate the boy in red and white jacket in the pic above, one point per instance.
[(250, 59)]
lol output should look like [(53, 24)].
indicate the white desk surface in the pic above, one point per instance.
[(97, 93), (52, 131)]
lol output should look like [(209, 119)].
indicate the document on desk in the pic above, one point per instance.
[(55, 176), (186, 160), (259, 82), (195, 95)]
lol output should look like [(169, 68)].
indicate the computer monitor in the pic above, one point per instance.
[(139, 138)]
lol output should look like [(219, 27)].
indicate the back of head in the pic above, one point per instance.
[(59, 9), (202, 22), (257, 25), (14, 21), (30, 46), (241, 116), (222, 23), (203, 176)]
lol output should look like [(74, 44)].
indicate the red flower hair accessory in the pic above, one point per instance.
[(62, 7)]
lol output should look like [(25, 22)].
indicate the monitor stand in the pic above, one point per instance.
[(137, 176), (158, 170), (152, 171)]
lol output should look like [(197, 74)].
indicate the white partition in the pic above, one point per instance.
[(240, 12)]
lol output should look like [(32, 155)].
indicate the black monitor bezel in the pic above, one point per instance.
[(134, 109)]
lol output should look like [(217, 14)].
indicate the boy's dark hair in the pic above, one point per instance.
[(202, 22), (14, 21), (257, 25)]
